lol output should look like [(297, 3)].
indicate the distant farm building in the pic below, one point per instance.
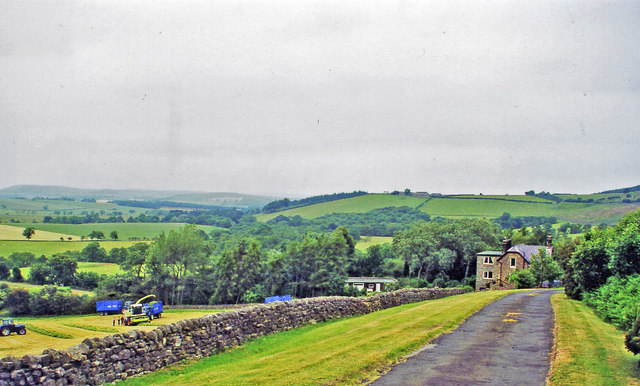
[(494, 267), (372, 284)]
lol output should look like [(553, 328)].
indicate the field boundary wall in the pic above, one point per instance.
[(117, 357)]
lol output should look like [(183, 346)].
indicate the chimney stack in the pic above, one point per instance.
[(506, 245)]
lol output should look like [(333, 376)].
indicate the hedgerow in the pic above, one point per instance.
[(617, 301)]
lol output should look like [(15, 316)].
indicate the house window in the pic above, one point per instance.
[(487, 275), (513, 262), (488, 260)]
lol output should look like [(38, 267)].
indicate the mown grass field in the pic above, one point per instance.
[(14, 232), (25, 210), (62, 332), (589, 351), (125, 230), (48, 248), (367, 241), (337, 352), (360, 204), (84, 266)]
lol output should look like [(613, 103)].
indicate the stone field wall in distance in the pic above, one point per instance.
[(116, 357)]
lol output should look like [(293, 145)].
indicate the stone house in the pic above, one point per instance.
[(372, 284), (494, 267)]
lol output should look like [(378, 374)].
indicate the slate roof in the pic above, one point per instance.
[(490, 253), (528, 250)]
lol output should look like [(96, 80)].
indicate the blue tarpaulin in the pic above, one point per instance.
[(271, 299)]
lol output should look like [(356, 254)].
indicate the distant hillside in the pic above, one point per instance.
[(585, 209), (203, 198), (623, 190)]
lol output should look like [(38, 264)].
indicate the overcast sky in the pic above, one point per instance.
[(313, 97)]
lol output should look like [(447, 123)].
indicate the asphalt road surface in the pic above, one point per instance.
[(508, 342)]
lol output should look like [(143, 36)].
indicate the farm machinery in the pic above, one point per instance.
[(133, 312), (140, 312), (8, 326)]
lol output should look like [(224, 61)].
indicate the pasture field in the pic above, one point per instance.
[(517, 197), (367, 241), (125, 230), (48, 248), (567, 211), (84, 266), (34, 287), (588, 350), (343, 351), (27, 210), (73, 329), (14, 232), (490, 206), (359, 204)]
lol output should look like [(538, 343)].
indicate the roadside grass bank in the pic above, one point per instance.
[(335, 352), (588, 350)]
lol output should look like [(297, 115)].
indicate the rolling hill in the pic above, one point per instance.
[(203, 198), (593, 208)]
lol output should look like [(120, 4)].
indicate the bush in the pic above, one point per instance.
[(439, 282), (617, 301), (523, 279), (17, 302), (452, 284), (632, 338)]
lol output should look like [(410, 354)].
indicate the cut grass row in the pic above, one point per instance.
[(335, 352)]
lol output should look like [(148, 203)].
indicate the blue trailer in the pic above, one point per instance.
[(153, 310), (108, 307)]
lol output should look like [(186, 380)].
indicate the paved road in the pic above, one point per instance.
[(508, 342)]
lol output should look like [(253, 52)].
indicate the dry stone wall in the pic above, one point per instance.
[(116, 357)]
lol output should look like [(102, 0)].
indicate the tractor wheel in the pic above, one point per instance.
[(5, 331), (22, 331)]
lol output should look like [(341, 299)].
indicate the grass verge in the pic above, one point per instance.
[(588, 350), (335, 352)]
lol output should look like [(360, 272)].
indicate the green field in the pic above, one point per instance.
[(76, 328), (579, 212), (48, 248), (14, 232), (470, 206), (84, 266), (589, 351), (367, 241), (343, 351), (125, 230), (360, 204), (34, 287), (25, 210)]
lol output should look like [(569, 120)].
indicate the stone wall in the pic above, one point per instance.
[(116, 357)]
